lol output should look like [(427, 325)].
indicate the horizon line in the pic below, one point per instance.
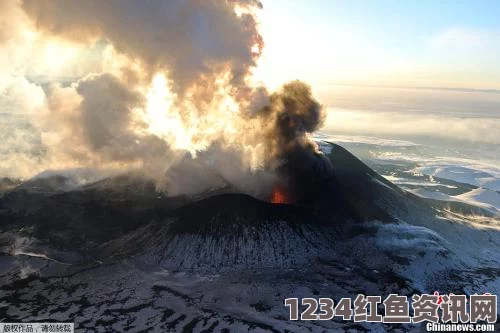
[(439, 88)]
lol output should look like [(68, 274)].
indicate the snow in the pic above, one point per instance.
[(481, 197), (430, 194)]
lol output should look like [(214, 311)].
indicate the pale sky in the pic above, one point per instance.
[(396, 43)]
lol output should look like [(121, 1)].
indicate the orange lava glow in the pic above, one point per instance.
[(280, 195)]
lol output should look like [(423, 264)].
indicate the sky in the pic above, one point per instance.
[(453, 44)]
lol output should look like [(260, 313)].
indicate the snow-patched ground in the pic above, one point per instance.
[(235, 278)]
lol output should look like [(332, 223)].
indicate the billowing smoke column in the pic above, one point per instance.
[(304, 172), (174, 77)]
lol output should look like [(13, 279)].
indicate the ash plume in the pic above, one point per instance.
[(293, 113), (173, 83), (301, 167), (191, 39)]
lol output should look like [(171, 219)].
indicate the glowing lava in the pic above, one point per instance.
[(280, 195)]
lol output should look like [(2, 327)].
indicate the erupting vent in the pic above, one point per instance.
[(280, 195)]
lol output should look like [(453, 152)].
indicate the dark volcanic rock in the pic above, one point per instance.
[(88, 216)]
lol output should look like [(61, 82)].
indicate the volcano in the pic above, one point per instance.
[(118, 255)]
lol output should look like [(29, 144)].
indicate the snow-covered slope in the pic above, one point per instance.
[(108, 258)]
